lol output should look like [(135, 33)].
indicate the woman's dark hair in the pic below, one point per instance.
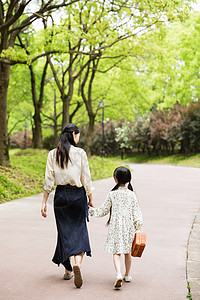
[(65, 142), (123, 176)]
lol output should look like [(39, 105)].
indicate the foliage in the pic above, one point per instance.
[(166, 129), (110, 144)]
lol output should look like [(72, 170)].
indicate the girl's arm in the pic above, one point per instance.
[(137, 215), (103, 210)]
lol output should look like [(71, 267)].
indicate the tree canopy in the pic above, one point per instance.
[(125, 56)]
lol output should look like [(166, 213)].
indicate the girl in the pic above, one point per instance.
[(125, 219), (67, 168)]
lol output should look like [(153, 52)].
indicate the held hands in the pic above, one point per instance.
[(90, 204)]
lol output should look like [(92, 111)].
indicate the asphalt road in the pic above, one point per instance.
[(169, 199)]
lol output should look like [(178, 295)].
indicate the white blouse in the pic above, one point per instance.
[(77, 172)]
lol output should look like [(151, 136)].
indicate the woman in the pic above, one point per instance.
[(67, 168)]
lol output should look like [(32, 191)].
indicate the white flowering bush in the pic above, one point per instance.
[(123, 136)]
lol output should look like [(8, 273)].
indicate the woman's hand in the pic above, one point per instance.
[(44, 204), (90, 203), (44, 209)]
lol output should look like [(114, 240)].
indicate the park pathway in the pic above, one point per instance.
[(169, 198)]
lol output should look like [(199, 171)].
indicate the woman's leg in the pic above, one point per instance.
[(66, 270), (127, 263), (78, 281), (117, 264), (78, 259)]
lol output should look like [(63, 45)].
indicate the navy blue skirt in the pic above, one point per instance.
[(71, 212)]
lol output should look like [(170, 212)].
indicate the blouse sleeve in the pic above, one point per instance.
[(85, 174), (137, 215), (103, 210), (49, 174)]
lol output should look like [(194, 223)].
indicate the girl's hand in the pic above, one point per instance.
[(44, 209)]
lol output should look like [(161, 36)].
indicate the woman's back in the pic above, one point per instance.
[(76, 173)]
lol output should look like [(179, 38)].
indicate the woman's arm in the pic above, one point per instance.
[(44, 204), (85, 175), (90, 203), (49, 183)]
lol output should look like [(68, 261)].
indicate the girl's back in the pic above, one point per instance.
[(125, 213)]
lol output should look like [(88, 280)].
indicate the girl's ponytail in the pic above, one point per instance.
[(115, 187), (130, 186)]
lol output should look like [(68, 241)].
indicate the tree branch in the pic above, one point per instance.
[(85, 65), (39, 13), (79, 104), (19, 121), (51, 118), (111, 66), (42, 82), (10, 9), (44, 54), (33, 87), (82, 88), (55, 75), (14, 18), (92, 79), (1, 12)]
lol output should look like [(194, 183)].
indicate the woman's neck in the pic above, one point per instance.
[(122, 185)]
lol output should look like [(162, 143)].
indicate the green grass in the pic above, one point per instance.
[(191, 160), (25, 177), (103, 167)]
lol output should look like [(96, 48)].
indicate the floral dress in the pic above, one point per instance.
[(126, 219)]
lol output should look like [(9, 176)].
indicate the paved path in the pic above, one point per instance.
[(193, 259), (169, 198)]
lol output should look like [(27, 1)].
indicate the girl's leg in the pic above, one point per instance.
[(117, 264), (127, 263)]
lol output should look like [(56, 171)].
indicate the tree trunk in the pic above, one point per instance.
[(90, 133), (37, 130), (67, 98), (66, 102), (55, 122), (4, 79)]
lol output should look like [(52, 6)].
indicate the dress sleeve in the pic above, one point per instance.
[(137, 215), (85, 174), (103, 210), (49, 174)]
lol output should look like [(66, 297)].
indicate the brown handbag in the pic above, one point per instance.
[(139, 244)]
